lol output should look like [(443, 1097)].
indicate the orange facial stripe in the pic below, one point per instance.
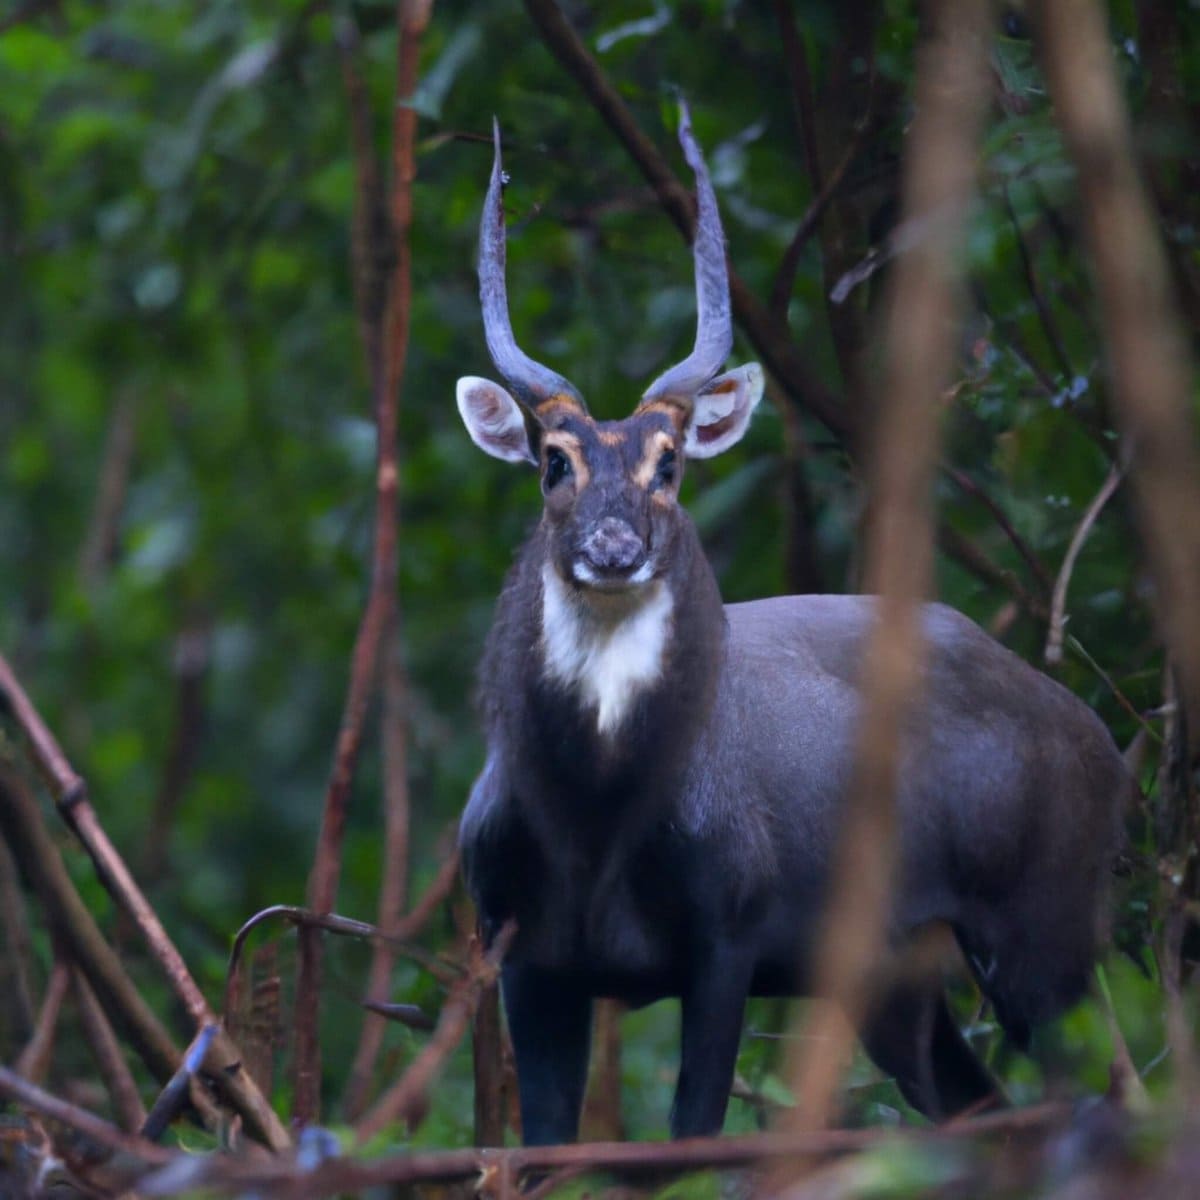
[(559, 400), (657, 442), (676, 410), (570, 445)]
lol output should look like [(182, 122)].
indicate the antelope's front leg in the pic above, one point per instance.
[(550, 1021), (714, 1003)]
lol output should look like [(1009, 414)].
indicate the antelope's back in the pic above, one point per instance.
[(1009, 782)]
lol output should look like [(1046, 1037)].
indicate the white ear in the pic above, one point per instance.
[(722, 411), (494, 420)]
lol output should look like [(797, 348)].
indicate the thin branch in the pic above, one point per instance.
[(772, 341), (1119, 696), (966, 484), (118, 1079), (36, 1100), (959, 547), (173, 1099), (796, 57), (1148, 351), (190, 663), (919, 353), (789, 264), (303, 918), (276, 1177), (1058, 601), (70, 792), (412, 17), (35, 1058), (394, 886), (407, 1097), (16, 958), (435, 896), (1013, 340), (1049, 328), (490, 1078), (41, 862)]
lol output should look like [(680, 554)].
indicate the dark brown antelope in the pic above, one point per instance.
[(664, 774)]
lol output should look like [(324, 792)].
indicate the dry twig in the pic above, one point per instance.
[(1058, 601)]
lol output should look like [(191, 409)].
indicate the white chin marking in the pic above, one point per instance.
[(606, 657), (585, 575)]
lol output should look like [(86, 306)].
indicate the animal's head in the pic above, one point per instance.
[(611, 488)]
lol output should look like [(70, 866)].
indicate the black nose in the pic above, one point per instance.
[(612, 546)]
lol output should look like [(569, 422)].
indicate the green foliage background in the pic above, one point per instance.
[(175, 196)]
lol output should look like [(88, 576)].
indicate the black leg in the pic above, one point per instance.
[(713, 1006), (912, 1036), (550, 1020)]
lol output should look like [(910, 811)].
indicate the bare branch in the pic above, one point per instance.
[(36, 1100), (16, 958), (174, 1097), (771, 341), (41, 861), (70, 792), (1058, 601), (966, 484), (407, 1097), (919, 351), (110, 1062), (1148, 352), (412, 17), (278, 1177), (35, 1058), (1053, 337), (393, 890)]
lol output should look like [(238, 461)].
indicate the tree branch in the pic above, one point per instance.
[(407, 1097), (70, 792), (1058, 601), (919, 349), (1148, 353), (412, 17), (771, 341)]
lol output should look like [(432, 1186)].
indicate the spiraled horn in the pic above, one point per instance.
[(714, 322), (533, 384)]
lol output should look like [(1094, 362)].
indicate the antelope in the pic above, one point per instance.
[(664, 775)]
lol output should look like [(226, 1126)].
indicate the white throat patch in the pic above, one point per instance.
[(607, 660)]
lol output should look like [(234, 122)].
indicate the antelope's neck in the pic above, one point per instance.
[(605, 650)]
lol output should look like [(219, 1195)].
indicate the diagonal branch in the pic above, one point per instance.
[(1147, 349), (966, 484), (1058, 602), (770, 339), (407, 1098), (70, 792)]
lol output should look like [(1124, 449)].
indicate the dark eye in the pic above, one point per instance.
[(558, 467), (664, 473)]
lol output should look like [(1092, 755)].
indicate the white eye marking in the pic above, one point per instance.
[(607, 659)]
